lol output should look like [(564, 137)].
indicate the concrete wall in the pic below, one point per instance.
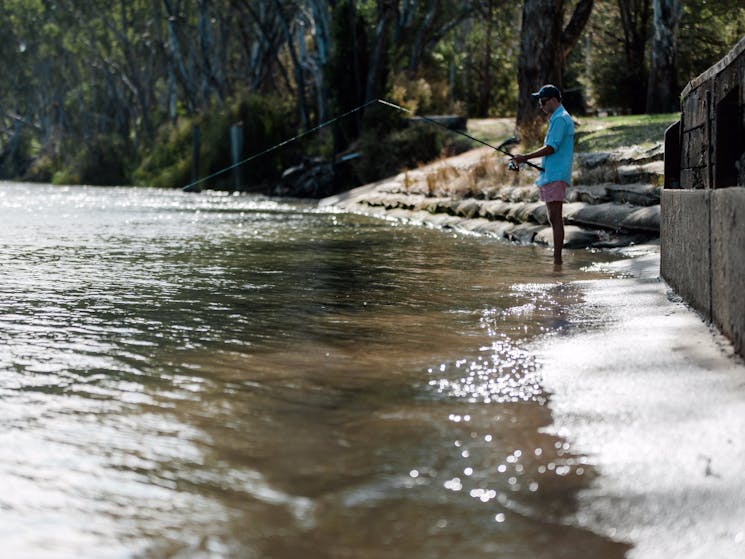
[(702, 225), (703, 254), (685, 259), (728, 263)]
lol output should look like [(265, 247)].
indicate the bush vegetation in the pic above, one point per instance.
[(263, 123), (111, 94)]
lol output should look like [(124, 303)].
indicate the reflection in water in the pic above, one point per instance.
[(218, 376)]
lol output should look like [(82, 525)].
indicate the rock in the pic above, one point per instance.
[(636, 194), (468, 208), (645, 219), (574, 237), (531, 212), (591, 160), (646, 173), (313, 178), (524, 233), (608, 216), (494, 209), (592, 194), (619, 207)]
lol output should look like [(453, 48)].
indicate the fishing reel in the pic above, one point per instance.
[(513, 166)]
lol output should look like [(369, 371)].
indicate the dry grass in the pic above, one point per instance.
[(488, 175)]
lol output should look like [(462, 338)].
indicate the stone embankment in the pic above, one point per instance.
[(615, 199)]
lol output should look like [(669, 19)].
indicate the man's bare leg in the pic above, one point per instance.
[(557, 224)]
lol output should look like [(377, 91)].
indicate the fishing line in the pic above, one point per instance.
[(332, 121), (279, 145), (432, 121)]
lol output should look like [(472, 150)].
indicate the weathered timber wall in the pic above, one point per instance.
[(712, 126), (702, 228)]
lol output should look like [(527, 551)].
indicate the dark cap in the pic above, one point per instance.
[(547, 90)]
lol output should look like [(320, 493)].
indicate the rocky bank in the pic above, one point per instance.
[(614, 201)]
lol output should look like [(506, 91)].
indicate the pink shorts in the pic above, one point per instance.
[(553, 191)]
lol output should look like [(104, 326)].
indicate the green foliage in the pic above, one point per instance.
[(390, 144), (617, 71), (101, 160), (264, 124), (614, 75), (111, 92), (708, 31), (487, 60), (17, 153)]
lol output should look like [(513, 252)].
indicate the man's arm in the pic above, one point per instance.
[(545, 150)]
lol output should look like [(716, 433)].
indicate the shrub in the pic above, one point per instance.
[(169, 162), (102, 161), (391, 143)]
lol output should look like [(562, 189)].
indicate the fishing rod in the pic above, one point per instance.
[(191, 185), (499, 148)]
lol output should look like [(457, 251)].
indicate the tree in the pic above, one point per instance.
[(544, 45), (116, 78), (635, 19), (663, 91)]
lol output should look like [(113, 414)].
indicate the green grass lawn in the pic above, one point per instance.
[(593, 133), (613, 132)]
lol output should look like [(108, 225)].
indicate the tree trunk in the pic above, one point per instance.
[(485, 75), (377, 70), (544, 47), (298, 67), (662, 89), (540, 58), (418, 47), (181, 65), (635, 22), (322, 40), (210, 75)]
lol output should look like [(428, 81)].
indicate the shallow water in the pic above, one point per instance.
[(218, 376)]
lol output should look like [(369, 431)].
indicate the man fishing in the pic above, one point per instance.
[(557, 153)]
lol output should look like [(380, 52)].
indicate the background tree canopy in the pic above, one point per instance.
[(109, 92)]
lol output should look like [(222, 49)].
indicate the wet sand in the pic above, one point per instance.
[(656, 400)]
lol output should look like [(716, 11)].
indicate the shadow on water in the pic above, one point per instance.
[(229, 377)]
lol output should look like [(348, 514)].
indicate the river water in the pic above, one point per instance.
[(229, 376)]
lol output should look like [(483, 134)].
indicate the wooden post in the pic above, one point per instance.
[(196, 143), (709, 140), (236, 151), (672, 156)]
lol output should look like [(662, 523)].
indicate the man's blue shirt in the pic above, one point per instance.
[(560, 136)]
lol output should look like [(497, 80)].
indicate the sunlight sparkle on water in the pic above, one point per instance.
[(509, 374)]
